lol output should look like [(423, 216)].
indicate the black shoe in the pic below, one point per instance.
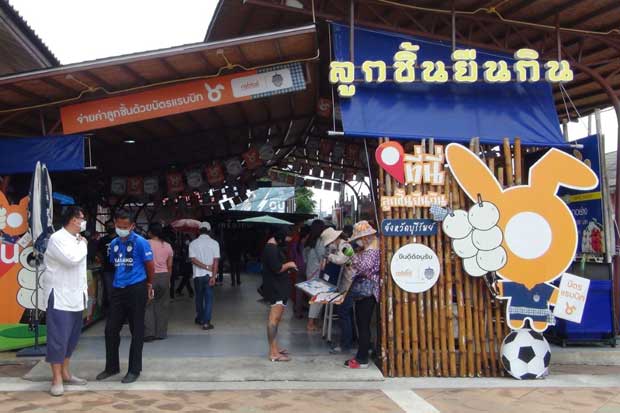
[(130, 378), (208, 326), (105, 374), (149, 339)]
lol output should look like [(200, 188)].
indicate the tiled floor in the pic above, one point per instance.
[(524, 400), (271, 401)]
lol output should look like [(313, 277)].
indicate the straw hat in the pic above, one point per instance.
[(362, 229), (329, 235)]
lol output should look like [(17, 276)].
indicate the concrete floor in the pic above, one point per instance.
[(236, 350)]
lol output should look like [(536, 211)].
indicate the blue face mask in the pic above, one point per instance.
[(123, 233)]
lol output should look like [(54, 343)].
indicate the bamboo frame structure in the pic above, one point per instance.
[(456, 328)]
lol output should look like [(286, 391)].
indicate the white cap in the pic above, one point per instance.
[(205, 225)]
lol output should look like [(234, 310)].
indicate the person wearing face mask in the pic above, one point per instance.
[(64, 285), (276, 287), (365, 289), (132, 288)]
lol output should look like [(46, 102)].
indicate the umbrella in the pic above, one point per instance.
[(40, 216), (186, 225), (266, 219)]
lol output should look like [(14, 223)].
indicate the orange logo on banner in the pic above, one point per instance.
[(180, 97)]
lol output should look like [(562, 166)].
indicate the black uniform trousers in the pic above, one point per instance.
[(129, 304)]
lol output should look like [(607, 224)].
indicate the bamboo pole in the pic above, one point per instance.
[(405, 309), (518, 162), (390, 289), (423, 320), (489, 310), (413, 308), (449, 298), (460, 301), (383, 304), (398, 293), (483, 331), (508, 162), (443, 334)]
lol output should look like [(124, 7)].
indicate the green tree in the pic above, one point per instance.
[(304, 200)]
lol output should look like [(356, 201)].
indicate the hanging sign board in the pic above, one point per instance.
[(415, 268), (572, 298), (182, 97), (408, 227)]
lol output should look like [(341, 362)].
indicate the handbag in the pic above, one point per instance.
[(361, 288)]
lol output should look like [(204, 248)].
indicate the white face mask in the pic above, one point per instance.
[(82, 226), (123, 233)]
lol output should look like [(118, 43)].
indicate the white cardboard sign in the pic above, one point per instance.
[(572, 298), (415, 268)]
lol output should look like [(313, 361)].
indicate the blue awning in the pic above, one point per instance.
[(454, 112), (59, 153)]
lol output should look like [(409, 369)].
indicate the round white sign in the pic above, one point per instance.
[(415, 268)]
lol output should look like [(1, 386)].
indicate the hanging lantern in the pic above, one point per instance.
[(266, 152), (215, 174), (151, 185), (175, 182), (324, 108), (325, 148), (118, 185), (194, 178), (338, 151), (252, 159), (135, 186), (233, 167)]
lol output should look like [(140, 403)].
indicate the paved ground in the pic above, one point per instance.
[(226, 370)]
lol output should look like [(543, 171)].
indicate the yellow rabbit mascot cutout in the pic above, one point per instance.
[(538, 232)]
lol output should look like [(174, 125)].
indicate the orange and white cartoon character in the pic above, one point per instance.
[(524, 233), (13, 218)]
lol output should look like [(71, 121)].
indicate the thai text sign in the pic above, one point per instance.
[(572, 298), (182, 97), (465, 69), (413, 200), (416, 168), (408, 227)]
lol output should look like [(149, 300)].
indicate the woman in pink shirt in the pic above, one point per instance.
[(156, 316)]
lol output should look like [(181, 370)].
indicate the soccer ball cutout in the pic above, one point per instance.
[(526, 355)]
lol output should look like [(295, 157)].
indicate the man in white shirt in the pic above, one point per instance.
[(66, 291), (204, 252)]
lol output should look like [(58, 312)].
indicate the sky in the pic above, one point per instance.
[(80, 30)]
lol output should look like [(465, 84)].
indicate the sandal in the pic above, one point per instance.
[(284, 352), (280, 358)]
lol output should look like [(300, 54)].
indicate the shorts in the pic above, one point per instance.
[(279, 302)]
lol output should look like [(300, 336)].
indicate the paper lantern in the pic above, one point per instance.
[(151, 185), (118, 185), (215, 174), (338, 151), (194, 178), (135, 186), (325, 148), (252, 159), (175, 182), (266, 152), (233, 167), (324, 108)]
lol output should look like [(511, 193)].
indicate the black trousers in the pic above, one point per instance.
[(363, 315), (235, 270), (126, 303)]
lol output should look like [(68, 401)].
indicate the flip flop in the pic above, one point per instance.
[(284, 352), (280, 358)]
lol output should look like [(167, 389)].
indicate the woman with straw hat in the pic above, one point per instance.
[(365, 289)]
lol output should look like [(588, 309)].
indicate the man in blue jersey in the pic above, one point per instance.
[(131, 289)]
